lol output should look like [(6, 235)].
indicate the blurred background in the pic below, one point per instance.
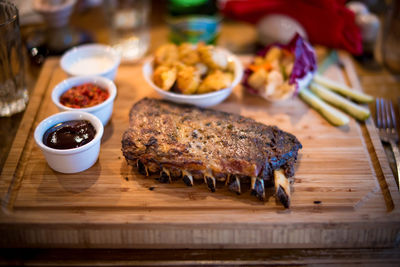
[(244, 26)]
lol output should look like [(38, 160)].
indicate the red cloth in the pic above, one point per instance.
[(327, 22)]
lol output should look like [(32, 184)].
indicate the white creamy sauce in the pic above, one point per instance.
[(91, 65)]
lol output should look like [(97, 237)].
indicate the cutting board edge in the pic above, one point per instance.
[(376, 152), (354, 235), (12, 168)]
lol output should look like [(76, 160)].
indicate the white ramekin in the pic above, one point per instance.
[(103, 110), (75, 159), (89, 51)]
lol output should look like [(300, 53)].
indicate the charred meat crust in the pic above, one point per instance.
[(197, 139)]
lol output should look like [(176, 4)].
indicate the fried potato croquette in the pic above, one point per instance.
[(187, 54), (212, 57), (166, 54), (201, 68), (215, 81), (190, 69), (164, 77), (188, 80)]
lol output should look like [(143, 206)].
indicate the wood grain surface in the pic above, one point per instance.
[(344, 194)]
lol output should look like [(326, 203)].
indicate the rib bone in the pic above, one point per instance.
[(187, 178), (235, 186), (257, 187), (253, 183), (210, 181), (142, 168), (228, 179), (282, 187), (165, 176)]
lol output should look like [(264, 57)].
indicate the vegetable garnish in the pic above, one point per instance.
[(277, 70), (354, 110), (324, 92), (343, 89), (331, 114)]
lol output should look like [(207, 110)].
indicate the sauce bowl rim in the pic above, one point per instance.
[(89, 49)]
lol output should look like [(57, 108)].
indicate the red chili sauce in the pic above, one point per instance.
[(84, 96)]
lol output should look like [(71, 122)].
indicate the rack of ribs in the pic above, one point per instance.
[(185, 142)]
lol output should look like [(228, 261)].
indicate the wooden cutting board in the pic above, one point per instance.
[(344, 194)]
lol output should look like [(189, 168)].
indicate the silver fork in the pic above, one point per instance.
[(386, 123)]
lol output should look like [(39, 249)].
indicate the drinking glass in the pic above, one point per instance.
[(13, 93), (128, 21)]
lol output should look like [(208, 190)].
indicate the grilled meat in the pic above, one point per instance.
[(182, 141)]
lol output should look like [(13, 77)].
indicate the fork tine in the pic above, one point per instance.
[(378, 112), (392, 115), (382, 113), (398, 105), (387, 115)]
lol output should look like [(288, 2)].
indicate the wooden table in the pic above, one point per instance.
[(390, 256)]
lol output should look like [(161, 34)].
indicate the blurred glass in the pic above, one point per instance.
[(193, 21), (391, 38), (13, 93), (129, 24)]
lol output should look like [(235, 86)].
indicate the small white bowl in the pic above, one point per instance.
[(75, 159), (103, 110), (91, 59), (201, 100)]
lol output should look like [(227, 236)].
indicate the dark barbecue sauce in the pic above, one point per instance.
[(69, 134)]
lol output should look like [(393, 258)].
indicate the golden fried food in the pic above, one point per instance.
[(215, 81), (187, 54), (202, 68), (190, 69), (166, 54), (212, 57), (164, 77), (231, 67), (188, 80)]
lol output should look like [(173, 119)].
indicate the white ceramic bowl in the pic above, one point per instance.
[(201, 100), (91, 59), (75, 159), (103, 110)]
